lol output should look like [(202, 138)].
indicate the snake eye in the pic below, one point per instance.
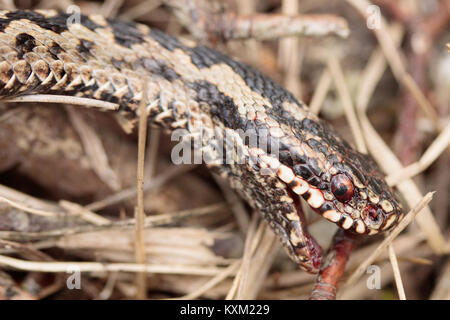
[(342, 187)]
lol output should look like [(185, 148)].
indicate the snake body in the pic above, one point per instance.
[(202, 92)]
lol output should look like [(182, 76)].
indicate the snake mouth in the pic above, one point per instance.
[(370, 220), (363, 222), (343, 220), (315, 199)]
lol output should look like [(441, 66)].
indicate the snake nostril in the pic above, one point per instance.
[(373, 214)]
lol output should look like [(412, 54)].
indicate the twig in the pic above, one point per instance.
[(212, 282), (290, 56), (333, 266), (262, 261), (151, 221), (391, 236), (344, 95), (109, 8), (152, 151), (109, 286), (252, 234), (273, 26), (397, 275), (49, 98), (87, 215), (321, 91), (438, 146), (141, 291), (107, 267), (19, 206), (211, 23)]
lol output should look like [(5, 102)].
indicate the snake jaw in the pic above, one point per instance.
[(368, 219)]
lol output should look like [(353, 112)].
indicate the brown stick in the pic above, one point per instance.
[(213, 23), (333, 266)]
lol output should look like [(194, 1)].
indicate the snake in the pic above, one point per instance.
[(252, 132)]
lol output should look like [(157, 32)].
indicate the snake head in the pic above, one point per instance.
[(344, 186)]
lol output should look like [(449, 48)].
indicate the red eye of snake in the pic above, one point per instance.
[(342, 187)]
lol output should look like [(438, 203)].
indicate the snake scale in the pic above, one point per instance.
[(196, 89)]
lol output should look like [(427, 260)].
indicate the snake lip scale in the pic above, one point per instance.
[(193, 87)]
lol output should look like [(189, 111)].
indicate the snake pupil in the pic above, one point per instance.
[(342, 187)]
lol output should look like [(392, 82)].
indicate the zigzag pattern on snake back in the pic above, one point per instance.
[(204, 92)]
